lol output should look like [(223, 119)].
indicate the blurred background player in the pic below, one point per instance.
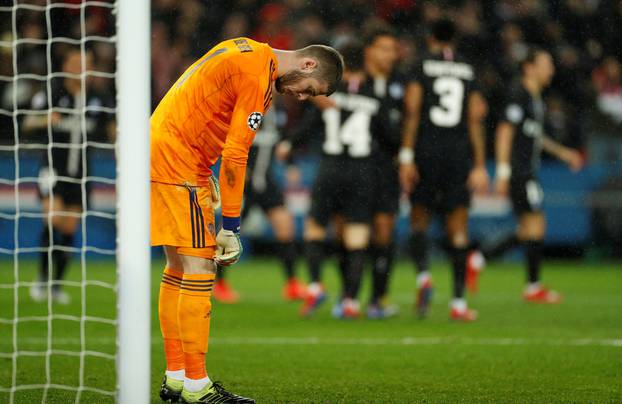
[(264, 191), (345, 183), (380, 52), (62, 167), (443, 158), (520, 139)]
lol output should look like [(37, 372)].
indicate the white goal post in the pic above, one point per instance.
[(133, 252)]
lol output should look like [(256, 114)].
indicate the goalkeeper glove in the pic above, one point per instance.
[(228, 244)]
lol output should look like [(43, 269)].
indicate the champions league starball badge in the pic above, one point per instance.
[(254, 120)]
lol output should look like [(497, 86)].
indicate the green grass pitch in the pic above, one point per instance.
[(260, 348)]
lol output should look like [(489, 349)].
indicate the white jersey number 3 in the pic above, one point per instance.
[(451, 94)]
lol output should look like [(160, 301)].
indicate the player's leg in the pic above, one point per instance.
[(65, 221), (357, 210), (323, 201), (169, 325), (382, 247), (456, 228), (531, 230), (194, 312), (355, 242), (223, 291), (527, 197), (314, 237), (338, 224), (283, 226), (382, 250), (38, 291)]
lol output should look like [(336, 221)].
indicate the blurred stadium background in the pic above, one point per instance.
[(584, 210)]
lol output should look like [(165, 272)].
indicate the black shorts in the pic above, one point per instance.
[(387, 182), (345, 187), (442, 184), (267, 196), (69, 192), (526, 195)]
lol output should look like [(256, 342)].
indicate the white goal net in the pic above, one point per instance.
[(63, 302)]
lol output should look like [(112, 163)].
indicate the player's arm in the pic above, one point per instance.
[(249, 102), (477, 110), (300, 136), (413, 101), (503, 151), (569, 156), (39, 122)]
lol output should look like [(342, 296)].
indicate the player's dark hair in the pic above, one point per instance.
[(329, 64), (370, 37), (352, 53), (531, 56), (443, 30)]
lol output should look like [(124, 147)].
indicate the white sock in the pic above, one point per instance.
[(532, 287), (314, 288), (176, 374), (194, 385), (458, 304), (423, 277)]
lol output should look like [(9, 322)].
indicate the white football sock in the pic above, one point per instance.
[(194, 385), (423, 277), (458, 304), (533, 287), (176, 374), (314, 288)]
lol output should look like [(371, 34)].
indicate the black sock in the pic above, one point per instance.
[(501, 247), (62, 258), (220, 273), (58, 256), (458, 259), (287, 253), (314, 253), (342, 263), (382, 262), (44, 255), (356, 265), (533, 250), (419, 250)]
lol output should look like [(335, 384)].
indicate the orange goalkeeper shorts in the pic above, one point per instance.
[(183, 217)]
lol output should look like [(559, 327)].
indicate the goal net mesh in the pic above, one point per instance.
[(57, 134)]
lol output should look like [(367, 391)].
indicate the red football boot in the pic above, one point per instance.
[(467, 315), (541, 295), (294, 290), (314, 298), (224, 293)]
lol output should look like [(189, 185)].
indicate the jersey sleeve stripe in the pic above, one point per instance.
[(190, 196), (268, 92)]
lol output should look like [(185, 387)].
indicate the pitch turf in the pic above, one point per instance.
[(260, 348)]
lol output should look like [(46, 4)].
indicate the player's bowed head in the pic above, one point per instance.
[(308, 72)]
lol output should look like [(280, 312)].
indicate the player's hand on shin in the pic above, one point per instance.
[(409, 177), (478, 180), (228, 248)]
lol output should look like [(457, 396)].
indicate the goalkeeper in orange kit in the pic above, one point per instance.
[(212, 111)]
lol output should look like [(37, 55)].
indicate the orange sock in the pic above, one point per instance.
[(194, 312), (167, 311)]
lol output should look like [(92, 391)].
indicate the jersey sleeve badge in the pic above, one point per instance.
[(254, 121)]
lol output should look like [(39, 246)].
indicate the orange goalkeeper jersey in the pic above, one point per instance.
[(213, 109)]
